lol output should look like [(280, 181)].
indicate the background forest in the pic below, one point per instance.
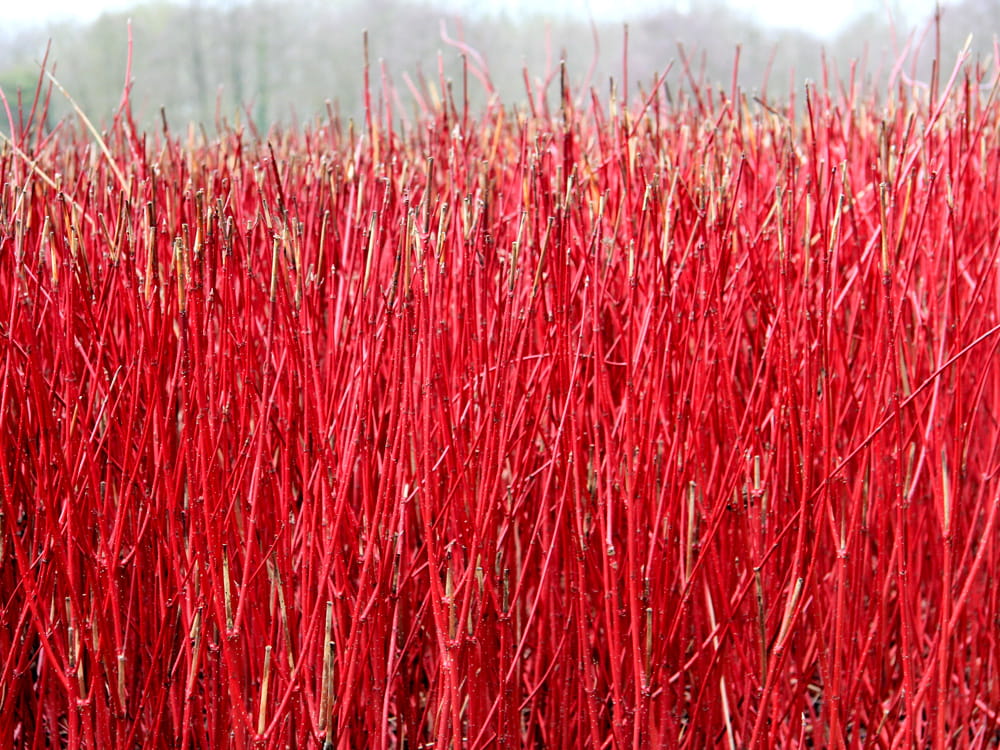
[(278, 61)]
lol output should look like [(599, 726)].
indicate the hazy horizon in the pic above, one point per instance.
[(823, 19)]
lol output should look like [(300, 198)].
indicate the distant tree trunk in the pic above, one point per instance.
[(234, 38), (198, 72), (263, 66)]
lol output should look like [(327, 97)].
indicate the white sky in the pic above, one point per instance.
[(822, 17)]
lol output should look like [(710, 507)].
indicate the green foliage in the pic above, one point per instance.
[(17, 81)]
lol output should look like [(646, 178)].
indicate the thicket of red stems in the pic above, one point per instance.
[(577, 425)]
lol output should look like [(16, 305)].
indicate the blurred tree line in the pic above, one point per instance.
[(264, 62)]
